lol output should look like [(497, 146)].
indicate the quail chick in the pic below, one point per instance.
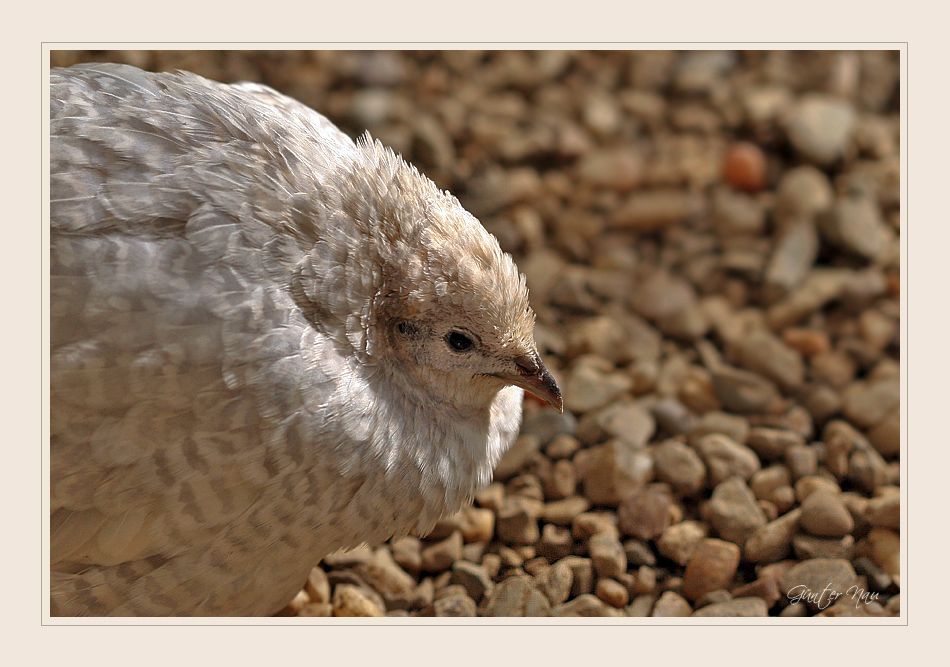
[(268, 342)]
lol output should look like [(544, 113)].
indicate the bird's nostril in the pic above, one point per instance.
[(528, 364)]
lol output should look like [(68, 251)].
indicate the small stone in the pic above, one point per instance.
[(725, 458), (645, 581), (866, 403), (645, 514), (473, 578), (517, 521), (582, 571), (763, 353), (736, 213), (587, 388), (794, 254), (764, 482), (384, 575), (652, 210), (562, 512), (819, 287), (350, 600), (855, 224), (805, 486), (679, 466), (742, 391), (734, 512), (804, 192), (807, 341), (744, 167), (627, 421), (607, 555), (439, 557), (834, 368), (884, 510), (820, 128), (712, 566), (615, 470), (765, 588), (638, 553), (517, 596), (547, 424), (563, 446), (588, 524), (491, 497), (809, 546), (740, 607), (734, 426), (316, 610), (476, 523), (671, 605), (318, 586), (521, 451), (556, 582), (454, 606), (886, 434), (585, 605), (772, 443), (824, 515), (885, 547), (612, 592), (679, 541), (801, 460), (618, 169), (772, 542), (818, 582), (555, 542), (640, 607)]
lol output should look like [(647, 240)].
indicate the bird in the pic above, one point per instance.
[(268, 342)]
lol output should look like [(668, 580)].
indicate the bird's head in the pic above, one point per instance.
[(453, 307)]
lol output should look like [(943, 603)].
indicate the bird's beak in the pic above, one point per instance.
[(532, 376)]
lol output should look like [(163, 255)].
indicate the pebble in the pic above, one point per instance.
[(885, 547), (619, 169), (625, 420), (317, 586), (559, 480), (745, 167), (679, 466), (765, 588), (819, 581), (725, 458), (855, 224), (585, 605), (734, 512), (646, 514), (582, 573), (884, 510), (740, 607), (803, 192), (439, 557), (587, 388), (615, 470), (866, 403), (793, 256), (824, 515), (588, 524), (384, 575), (764, 353), (454, 606), (477, 524), (546, 424), (350, 600), (734, 426), (679, 541), (612, 592), (556, 582), (736, 213), (773, 541), (653, 210), (517, 596), (711, 567), (521, 451), (742, 391), (562, 512), (555, 542), (820, 127), (765, 481), (473, 578), (562, 446), (809, 546), (607, 555), (516, 522), (802, 460), (671, 605)]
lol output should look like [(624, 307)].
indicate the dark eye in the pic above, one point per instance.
[(458, 341)]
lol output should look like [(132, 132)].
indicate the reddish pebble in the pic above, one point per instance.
[(744, 167), (807, 341)]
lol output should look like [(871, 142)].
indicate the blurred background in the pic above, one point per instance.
[(712, 244)]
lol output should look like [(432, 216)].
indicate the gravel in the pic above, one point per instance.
[(711, 241)]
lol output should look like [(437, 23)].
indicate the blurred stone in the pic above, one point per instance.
[(818, 582), (645, 514), (671, 605), (820, 127), (824, 515), (734, 512), (711, 567), (679, 541), (517, 596), (679, 466), (739, 607), (773, 541), (725, 458)]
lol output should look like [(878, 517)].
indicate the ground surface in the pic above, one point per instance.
[(711, 240)]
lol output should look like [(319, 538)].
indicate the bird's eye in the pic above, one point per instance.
[(458, 341)]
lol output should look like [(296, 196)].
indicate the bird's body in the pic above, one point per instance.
[(268, 342)]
